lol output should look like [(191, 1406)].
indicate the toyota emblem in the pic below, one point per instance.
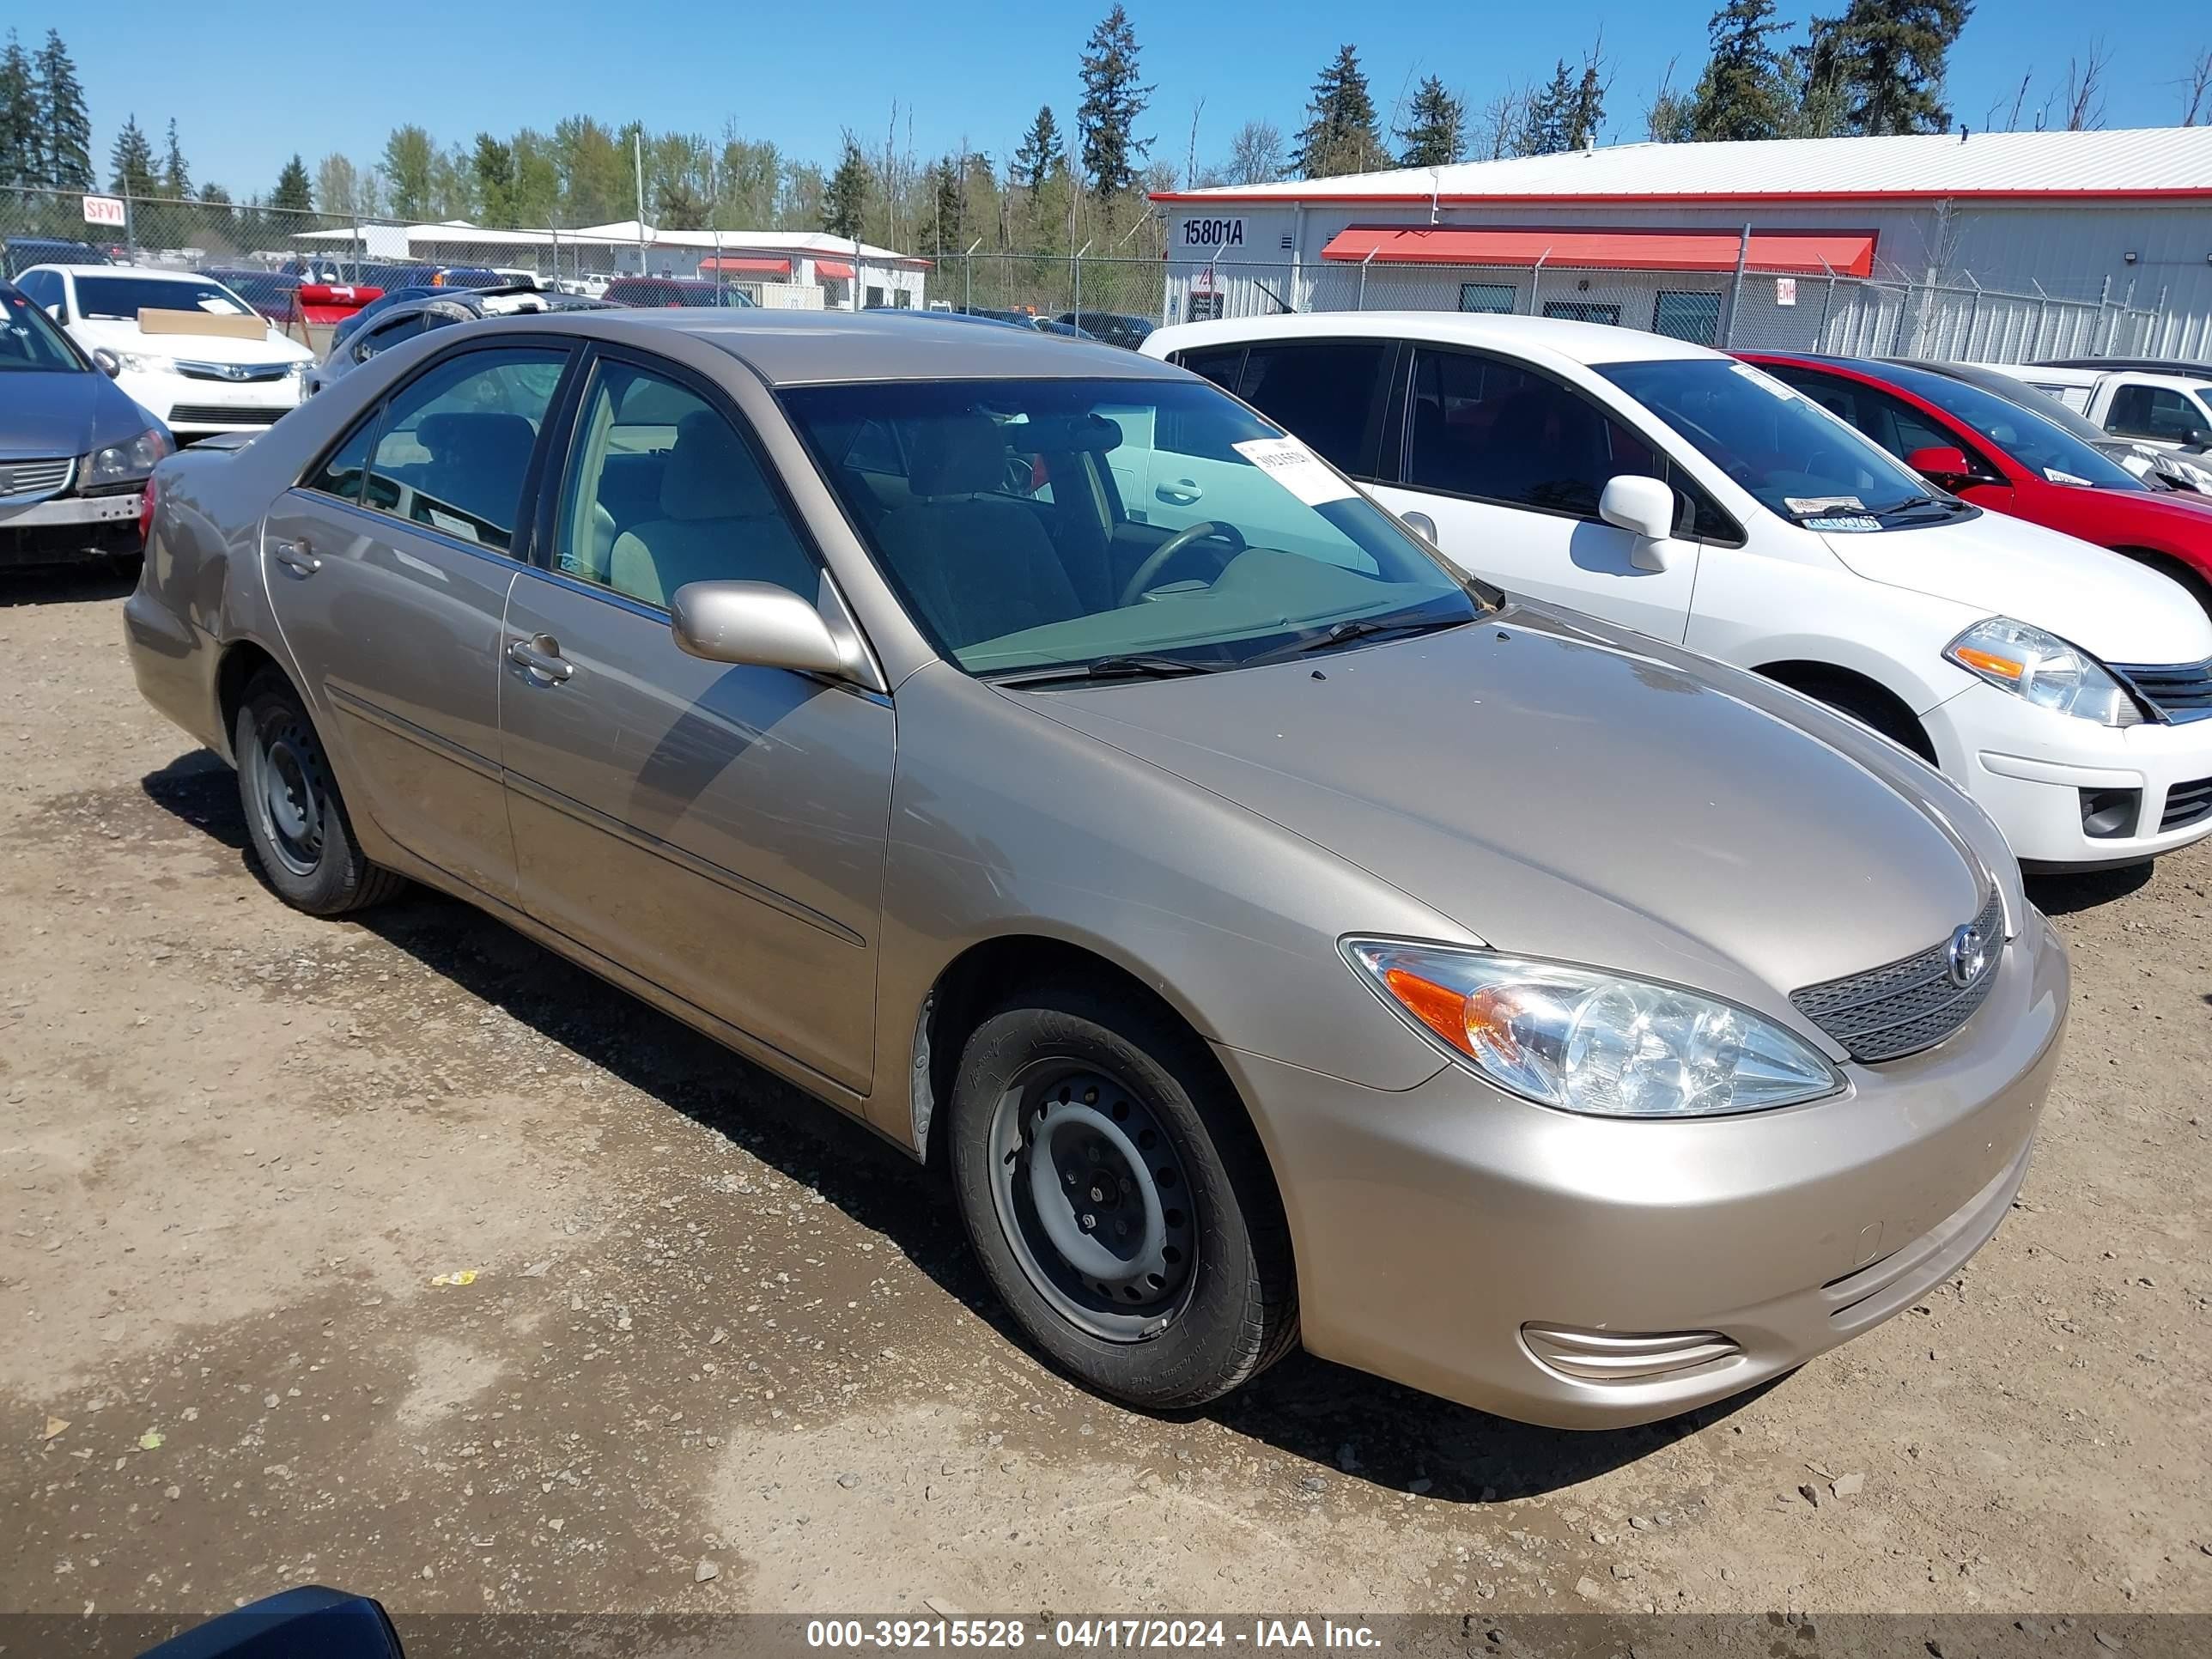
[(1966, 955)]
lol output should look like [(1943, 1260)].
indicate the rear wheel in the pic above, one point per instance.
[(295, 820), (1118, 1201)]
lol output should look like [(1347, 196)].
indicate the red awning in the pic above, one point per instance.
[(1807, 252), (837, 268), (750, 264)]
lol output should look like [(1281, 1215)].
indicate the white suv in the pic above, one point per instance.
[(1680, 492), (184, 346)]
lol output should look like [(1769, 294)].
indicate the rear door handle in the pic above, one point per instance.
[(295, 556), (1182, 492), (541, 655)]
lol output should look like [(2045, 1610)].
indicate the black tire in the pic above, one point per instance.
[(1021, 1114), (295, 819)]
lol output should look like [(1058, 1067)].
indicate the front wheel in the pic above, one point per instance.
[(1119, 1200), (295, 820)]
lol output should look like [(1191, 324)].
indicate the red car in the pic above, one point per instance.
[(2000, 454)]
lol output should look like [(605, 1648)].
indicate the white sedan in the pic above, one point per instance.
[(183, 346), (1675, 490)]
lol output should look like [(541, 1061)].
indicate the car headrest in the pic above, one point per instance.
[(965, 455), (710, 474), (490, 442)]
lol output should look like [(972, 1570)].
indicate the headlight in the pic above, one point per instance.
[(123, 463), (2045, 669), (145, 362), (1594, 1042)]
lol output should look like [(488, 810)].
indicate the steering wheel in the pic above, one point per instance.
[(1156, 559)]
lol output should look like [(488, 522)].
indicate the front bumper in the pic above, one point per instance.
[(2028, 768), (1448, 1235), (189, 406), (65, 527)]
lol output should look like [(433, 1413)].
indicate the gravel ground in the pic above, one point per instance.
[(723, 1350)]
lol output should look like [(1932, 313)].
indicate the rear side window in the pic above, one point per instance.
[(1502, 433), (1220, 364), (1328, 392), (456, 441)]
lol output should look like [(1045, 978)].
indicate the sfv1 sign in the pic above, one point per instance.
[(103, 210), (1214, 233)]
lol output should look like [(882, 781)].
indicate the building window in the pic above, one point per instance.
[(902, 300), (1582, 311), (875, 296), (1693, 317), (1500, 297)]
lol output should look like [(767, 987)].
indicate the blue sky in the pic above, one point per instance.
[(977, 69)]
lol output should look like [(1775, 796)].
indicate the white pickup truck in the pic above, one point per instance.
[(2148, 400)]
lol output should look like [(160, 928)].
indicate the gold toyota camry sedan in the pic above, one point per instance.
[(1275, 934)]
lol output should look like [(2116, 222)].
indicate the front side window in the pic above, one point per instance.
[(2039, 443), (662, 489), (1890, 421), (1007, 579), (455, 443), (1795, 457), (1503, 433), (1327, 392), (2154, 411), (122, 298)]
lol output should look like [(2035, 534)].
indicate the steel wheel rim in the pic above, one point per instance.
[(1069, 1141), (288, 796)]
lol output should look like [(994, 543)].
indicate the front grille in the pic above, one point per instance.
[(223, 414), (2176, 691), (1905, 1007), (232, 372), (2185, 803), (33, 481)]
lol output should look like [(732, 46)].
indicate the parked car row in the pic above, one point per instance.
[(1030, 748)]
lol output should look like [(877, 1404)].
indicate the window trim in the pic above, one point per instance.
[(523, 538), (1676, 477)]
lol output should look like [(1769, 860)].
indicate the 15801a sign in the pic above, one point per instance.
[(1214, 233)]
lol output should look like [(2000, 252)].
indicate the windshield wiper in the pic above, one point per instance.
[(1359, 627), (1111, 668)]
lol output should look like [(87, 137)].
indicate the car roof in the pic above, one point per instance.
[(1579, 342), (152, 272), (2175, 365), (801, 348)]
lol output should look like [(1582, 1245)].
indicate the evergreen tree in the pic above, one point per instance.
[(1339, 135), (22, 124), (845, 197), (946, 222), (1435, 133), (1039, 153), (1888, 56), (176, 177), (493, 163), (1106, 119), (66, 149), (1544, 121), (131, 162), (292, 193), (1744, 92), (1585, 109)]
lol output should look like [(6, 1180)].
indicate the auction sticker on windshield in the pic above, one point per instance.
[(1296, 468)]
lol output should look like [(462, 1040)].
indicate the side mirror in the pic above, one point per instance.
[(1421, 525), (1645, 507), (58, 312), (106, 362), (754, 625), (2197, 437), (1944, 464)]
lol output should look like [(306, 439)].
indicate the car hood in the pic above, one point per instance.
[(2104, 601), (1559, 795), (45, 414), (126, 335)]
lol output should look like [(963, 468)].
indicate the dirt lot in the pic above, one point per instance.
[(712, 1322)]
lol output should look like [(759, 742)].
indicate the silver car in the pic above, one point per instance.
[(1274, 934)]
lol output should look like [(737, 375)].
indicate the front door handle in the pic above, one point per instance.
[(1182, 492), (295, 556), (541, 655)]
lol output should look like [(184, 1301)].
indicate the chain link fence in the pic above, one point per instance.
[(1119, 299)]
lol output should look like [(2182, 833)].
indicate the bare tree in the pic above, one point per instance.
[(1256, 155), (1190, 160), (2197, 89), (2084, 87), (1500, 122), (2011, 122)]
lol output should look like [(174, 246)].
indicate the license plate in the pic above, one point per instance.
[(106, 507)]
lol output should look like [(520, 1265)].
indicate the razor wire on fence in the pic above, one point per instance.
[(1943, 315)]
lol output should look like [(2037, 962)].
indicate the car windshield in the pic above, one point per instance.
[(2042, 445), (1113, 526), (1798, 460), (122, 298), (29, 340)]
